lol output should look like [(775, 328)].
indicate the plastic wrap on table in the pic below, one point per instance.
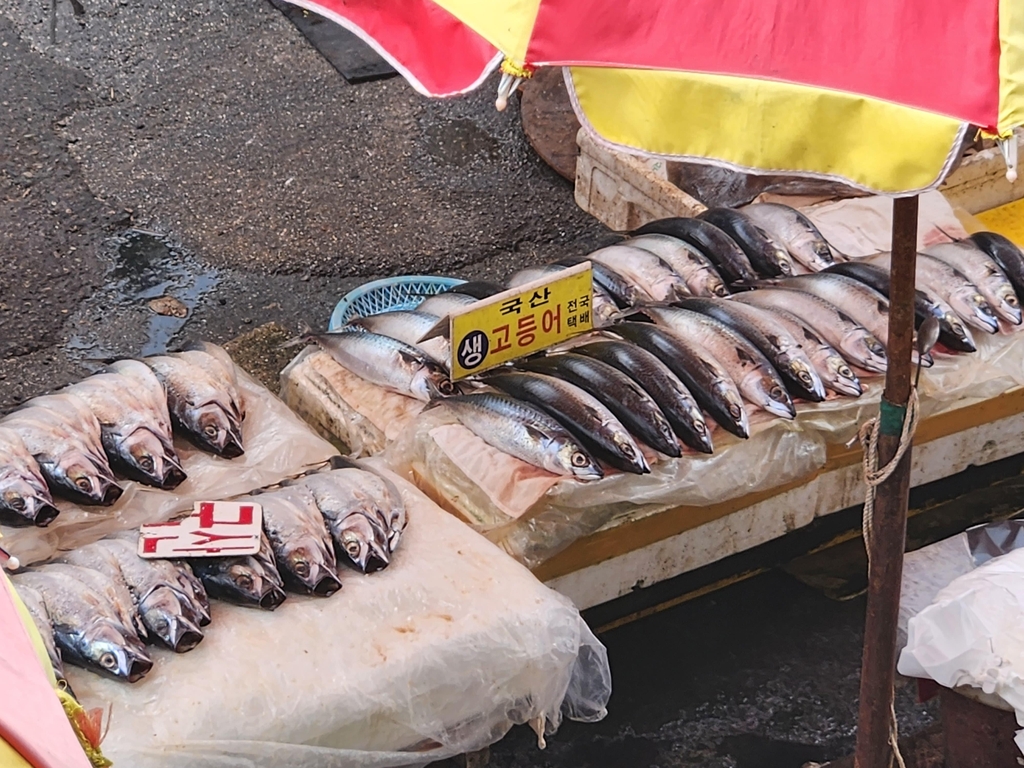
[(972, 634), (278, 445), (533, 515), (929, 570), (439, 654)]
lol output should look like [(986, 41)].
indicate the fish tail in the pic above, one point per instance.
[(305, 337)]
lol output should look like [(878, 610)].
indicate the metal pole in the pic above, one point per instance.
[(889, 529)]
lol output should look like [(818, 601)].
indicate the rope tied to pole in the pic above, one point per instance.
[(889, 417)]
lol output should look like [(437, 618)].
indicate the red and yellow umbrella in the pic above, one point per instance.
[(876, 93)]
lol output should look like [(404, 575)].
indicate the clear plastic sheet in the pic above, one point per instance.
[(929, 570), (971, 635), (439, 654), (277, 445), (777, 453)]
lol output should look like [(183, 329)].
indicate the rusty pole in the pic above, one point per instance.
[(889, 529)]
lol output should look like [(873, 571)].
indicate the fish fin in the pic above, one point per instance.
[(954, 239), (304, 337)]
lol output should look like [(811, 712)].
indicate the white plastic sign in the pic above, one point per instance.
[(214, 529)]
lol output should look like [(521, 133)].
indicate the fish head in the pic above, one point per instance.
[(146, 460), (866, 350), (716, 287), (822, 252), (215, 430), (804, 373), (955, 326), (307, 561), (843, 378), (22, 503), (360, 543), (168, 615), (109, 648), (244, 580), (605, 310), (431, 381), (630, 451), (83, 481), (777, 400), (734, 405), (572, 458), (975, 310), (1009, 304)]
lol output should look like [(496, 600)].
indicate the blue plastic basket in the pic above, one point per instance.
[(390, 294)]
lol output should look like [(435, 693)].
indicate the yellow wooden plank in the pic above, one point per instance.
[(1007, 220), (637, 533)]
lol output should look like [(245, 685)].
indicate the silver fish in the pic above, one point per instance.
[(86, 625), (983, 271), (630, 403), (625, 291), (698, 370), (830, 365), (952, 286), (757, 380), (220, 367), (24, 497), (387, 362), (666, 391), (795, 231), (133, 436), (302, 545), (581, 413), (357, 507), (442, 304), (110, 584), (702, 279), (643, 268), (167, 614), (64, 437), (857, 300), (604, 307), (409, 327), (199, 405), (855, 342), (249, 580), (765, 332), (524, 431), (177, 573), (36, 607)]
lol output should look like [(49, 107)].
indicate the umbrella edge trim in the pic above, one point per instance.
[(381, 51), (947, 167)]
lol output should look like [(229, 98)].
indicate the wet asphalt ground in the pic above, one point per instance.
[(207, 153)]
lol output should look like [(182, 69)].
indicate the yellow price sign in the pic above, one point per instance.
[(522, 320)]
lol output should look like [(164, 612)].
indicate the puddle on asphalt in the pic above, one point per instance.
[(146, 267)]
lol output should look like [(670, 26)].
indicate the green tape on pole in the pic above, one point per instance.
[(891, 418)]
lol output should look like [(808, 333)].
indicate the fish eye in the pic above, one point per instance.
[(83, 484), (352, 548), (845, 372), (243, 580), (735, 411), (210, 430), (775, 393), (804, 377), (146, 462), (580, 459), (1011, 300), (700, 428), (108, 660), (302, 568), (17, 504), (445, 387)]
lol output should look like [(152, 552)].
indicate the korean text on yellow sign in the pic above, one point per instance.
[(522, 321)]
